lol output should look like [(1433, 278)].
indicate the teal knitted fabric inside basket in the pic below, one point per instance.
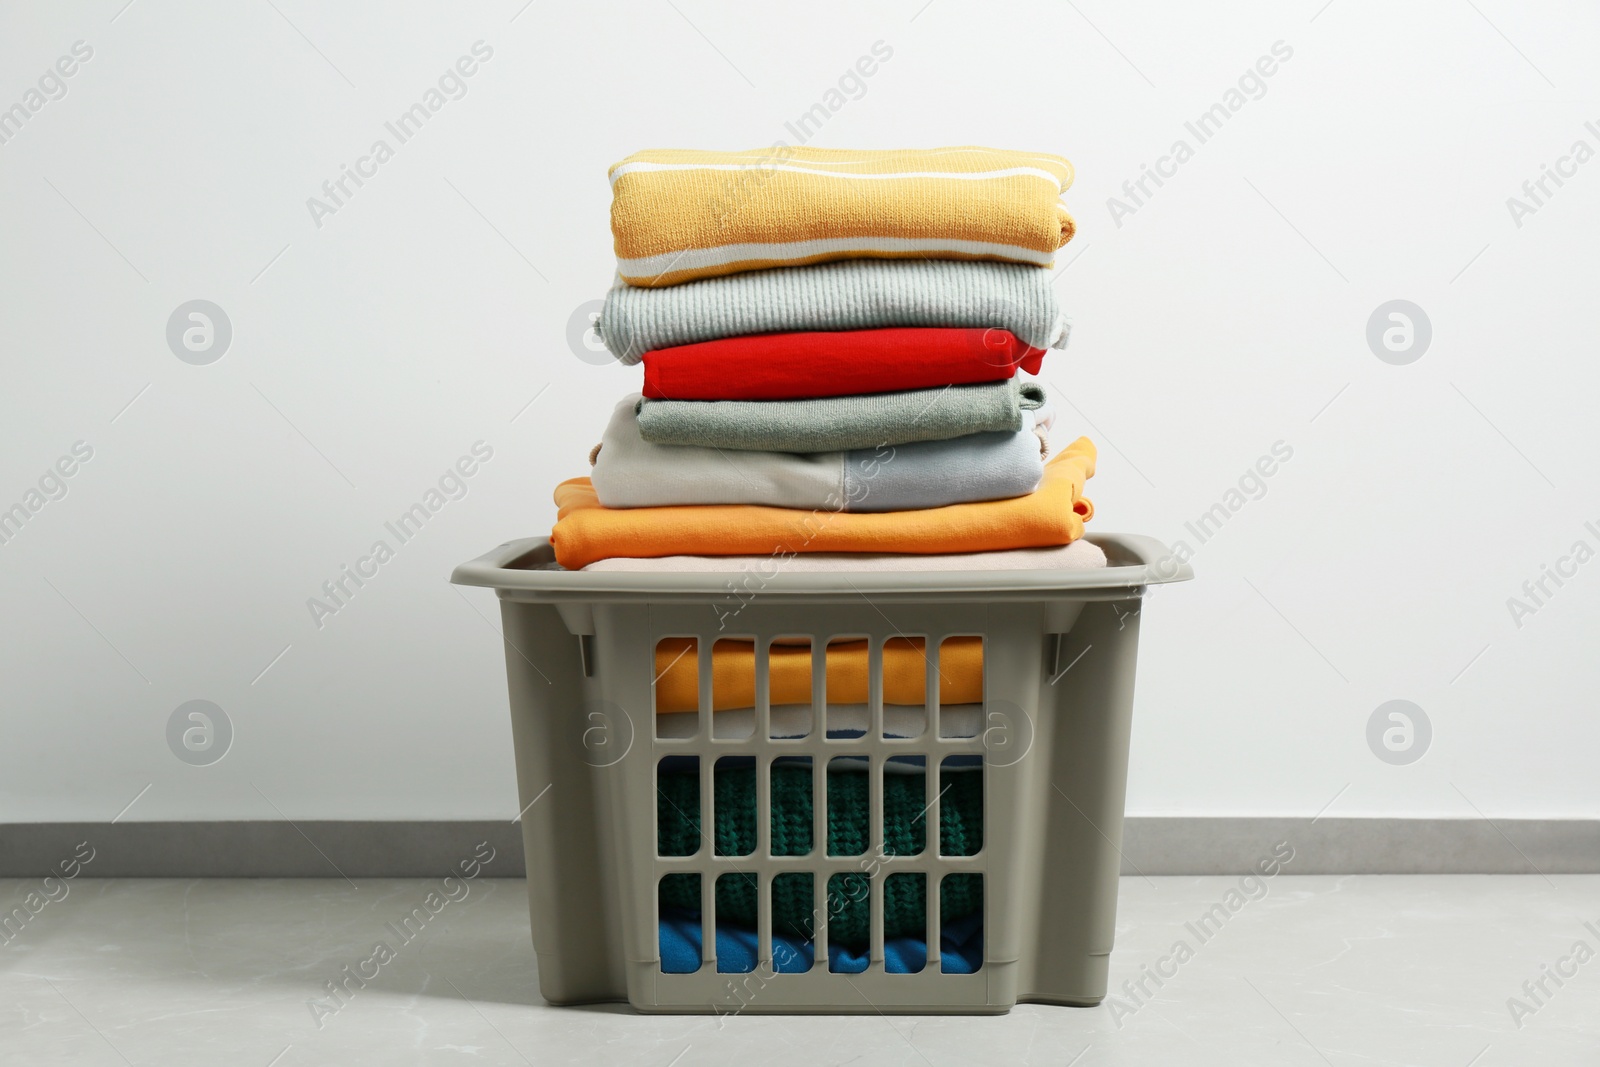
[(678, 833)]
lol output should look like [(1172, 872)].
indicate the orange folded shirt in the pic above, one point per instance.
[(733, 673), (1053, 514)]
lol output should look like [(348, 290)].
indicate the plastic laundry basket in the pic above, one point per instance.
[(1058, 669)]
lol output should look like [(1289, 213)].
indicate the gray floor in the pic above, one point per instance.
[(1320, 970)]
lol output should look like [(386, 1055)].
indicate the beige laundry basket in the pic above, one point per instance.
[(1058, 671)]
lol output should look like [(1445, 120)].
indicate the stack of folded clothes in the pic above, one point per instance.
[(839, 353)]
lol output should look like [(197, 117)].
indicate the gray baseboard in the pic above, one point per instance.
[(1151, 846), (261, 849), (1363, 846)]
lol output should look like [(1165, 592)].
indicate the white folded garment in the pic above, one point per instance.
[(1080, 555)]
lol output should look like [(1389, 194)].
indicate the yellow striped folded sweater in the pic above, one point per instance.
[(680, 215)]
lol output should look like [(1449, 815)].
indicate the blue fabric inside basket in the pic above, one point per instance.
[(960, 949)]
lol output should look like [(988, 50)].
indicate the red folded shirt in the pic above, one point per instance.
[(786, 366)]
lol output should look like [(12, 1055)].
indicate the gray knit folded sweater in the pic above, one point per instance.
[(854, 294), (836, 423)]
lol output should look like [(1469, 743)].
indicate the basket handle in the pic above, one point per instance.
[(489, 569), (1128, 549)]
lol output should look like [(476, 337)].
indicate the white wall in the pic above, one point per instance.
[(1227, 313)]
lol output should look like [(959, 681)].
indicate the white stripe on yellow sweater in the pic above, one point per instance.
[(651, 267), (800, 157), (629, 168)]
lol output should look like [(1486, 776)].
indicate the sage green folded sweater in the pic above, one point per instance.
[(831, 424)]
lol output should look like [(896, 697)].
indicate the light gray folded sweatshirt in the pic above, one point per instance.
[(630, 472), (854, 294), (838, 423)]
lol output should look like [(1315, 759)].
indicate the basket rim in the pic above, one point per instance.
[(522, 569)]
